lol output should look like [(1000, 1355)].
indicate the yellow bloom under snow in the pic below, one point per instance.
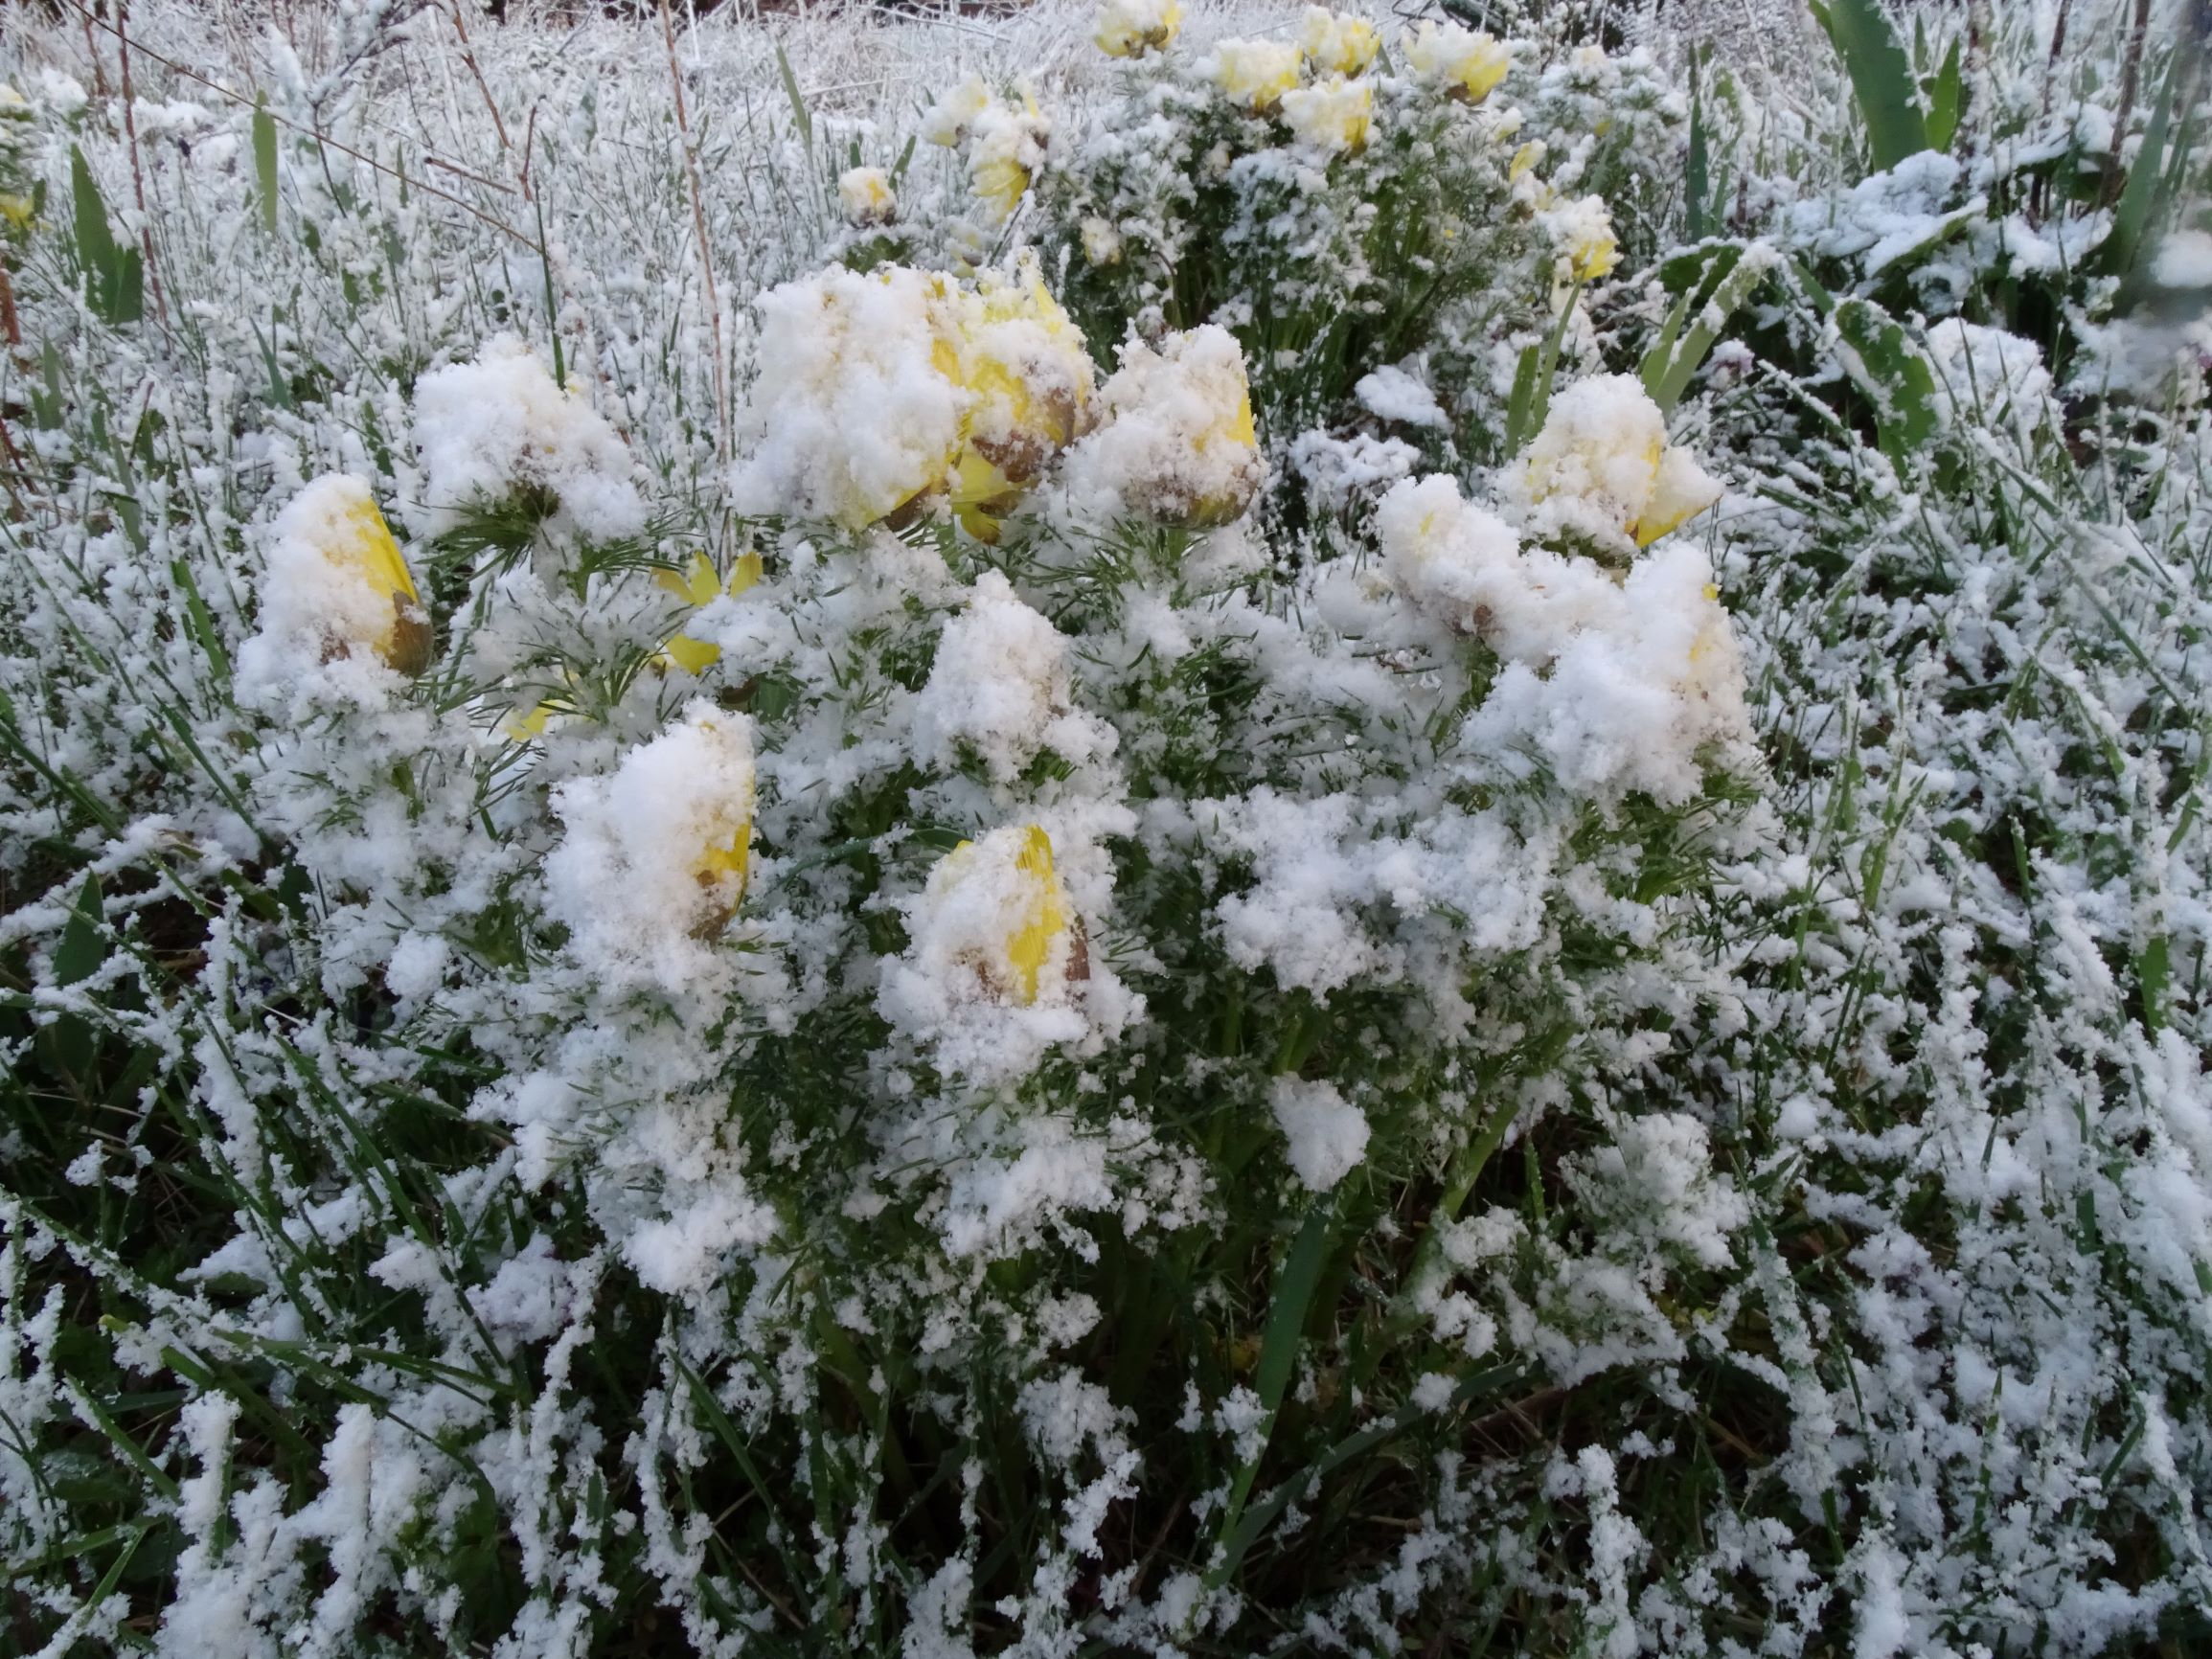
[(1602, 465), (1006, 147), (697, 584), (1028, 373), (1132, 28), (1465, 65), (880, 392), (996, 907), (1335, 116), (335, 571), (950, 117), (1256, 73), (1337, 44), (1582, 231), (658, 851), (1176, 441), (866, 196), (1102, 242)]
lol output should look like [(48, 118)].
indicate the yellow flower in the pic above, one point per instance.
[(698, 585), (1465, 65), (1102, 243), (1008, 147), (951, 116), (1680, 490), (1028, 375), (1583, 232), (1524, 159), (866, 196), (1336, 116), (1335, 44), (1132, 28), (724, 863), (1026, 906), (1177, 442), (332, 529), (1000, 379), (1602, 465), (527, 725), (1256, 73), (1000, 183)]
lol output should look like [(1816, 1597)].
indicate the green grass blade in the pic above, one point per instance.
[(799, 111), (1294, 1284)]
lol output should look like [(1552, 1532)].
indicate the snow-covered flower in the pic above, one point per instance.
[(855, 407), (1028, 373), (1465, 65), (697, 584), (1007, 144), (657, 852), (1335, 116), (336, 582), (995, 909), (1102, 242), (1256, 73), (866, 196), (1583, 232), (1002, 689), (1335, 43), (17, 123), (489, 428), (953, 115), (1175, 439), (878, 390), (1132, 28), (1603, 466)]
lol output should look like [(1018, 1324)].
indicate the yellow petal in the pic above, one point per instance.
[(696, 583), (693, 656), (1047, 913)]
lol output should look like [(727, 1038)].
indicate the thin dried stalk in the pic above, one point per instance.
[(468, 57), (137, 175), (699, 224)]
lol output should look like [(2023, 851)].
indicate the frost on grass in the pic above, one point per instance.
[(1155, 903)]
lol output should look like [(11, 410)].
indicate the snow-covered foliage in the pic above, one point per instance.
[(1152, 828)]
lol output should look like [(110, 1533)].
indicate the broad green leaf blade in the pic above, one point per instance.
[(265, 166), (126, 298), (1294, 1283), (95, 244), (80, 950), (1893, 373), (1517, 430), (1695, 173), (1946, 101), (2146, 190), (1881, 78)]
